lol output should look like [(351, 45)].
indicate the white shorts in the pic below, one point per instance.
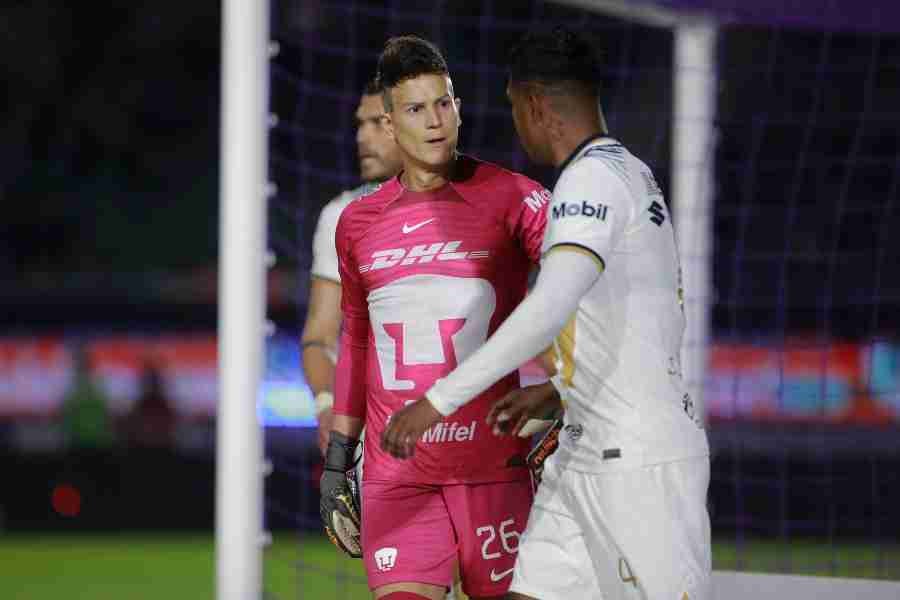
[(635, 534)]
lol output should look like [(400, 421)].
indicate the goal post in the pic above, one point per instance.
[(242, 291), (692, 165), (693, 168)]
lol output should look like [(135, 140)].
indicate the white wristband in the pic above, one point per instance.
[(324, 401), (433, 396)]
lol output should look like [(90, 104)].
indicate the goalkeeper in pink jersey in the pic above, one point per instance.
[(431, 263)]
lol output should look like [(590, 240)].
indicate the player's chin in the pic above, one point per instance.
[(437, 153), (371, 169)]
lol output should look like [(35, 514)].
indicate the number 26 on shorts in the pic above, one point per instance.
[(504, 537)]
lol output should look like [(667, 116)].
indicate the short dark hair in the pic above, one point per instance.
[(405, 57), (555, 59), (373, 87)]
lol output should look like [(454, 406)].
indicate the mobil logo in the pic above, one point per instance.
[(573, 209)]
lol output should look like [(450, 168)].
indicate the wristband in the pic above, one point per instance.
[(340, 451)]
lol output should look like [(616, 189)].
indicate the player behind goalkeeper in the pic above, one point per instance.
[(430, 265), (621, 511), (379, 160)]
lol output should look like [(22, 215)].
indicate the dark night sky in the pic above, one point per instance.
[(110, 123)]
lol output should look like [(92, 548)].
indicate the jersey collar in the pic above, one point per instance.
[(578, 149), (463, 169)]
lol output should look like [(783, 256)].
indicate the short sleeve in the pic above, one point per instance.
[(590, 210), (527, 216), (325, 263)]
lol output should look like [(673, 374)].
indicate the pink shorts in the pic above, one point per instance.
[(418, 533)]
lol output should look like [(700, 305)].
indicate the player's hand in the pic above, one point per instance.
[(325, 419), (407, 426), (339, 505), (512, 413)]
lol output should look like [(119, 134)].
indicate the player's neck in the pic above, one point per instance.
[(418, 179)]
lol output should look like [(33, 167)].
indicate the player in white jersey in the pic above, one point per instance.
[(621, 510), (379, 160)]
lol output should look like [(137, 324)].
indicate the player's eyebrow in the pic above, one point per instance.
[(419, 103), (376, 119)]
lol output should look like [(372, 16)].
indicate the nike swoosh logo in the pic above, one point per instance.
[(498, 576), (411, 228)]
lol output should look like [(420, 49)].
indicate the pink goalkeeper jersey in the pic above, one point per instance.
[(426, 278)]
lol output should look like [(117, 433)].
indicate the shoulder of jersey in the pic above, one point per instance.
[(339, 203), (368, 205), (367, 189), (486, 175), (613, 155), (377, 193)]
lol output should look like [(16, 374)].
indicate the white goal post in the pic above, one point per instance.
[(243, 177)]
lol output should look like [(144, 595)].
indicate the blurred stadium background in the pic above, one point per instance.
[(108, 382)]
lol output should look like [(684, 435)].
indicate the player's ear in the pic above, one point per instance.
[(536, 107), (389, 126), (458, 103)]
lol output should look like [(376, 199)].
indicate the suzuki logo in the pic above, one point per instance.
[(657, 212)]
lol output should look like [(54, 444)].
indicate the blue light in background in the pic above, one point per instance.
[(285, 399), (884, 374)]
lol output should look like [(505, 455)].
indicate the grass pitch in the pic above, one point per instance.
[(176, 566)]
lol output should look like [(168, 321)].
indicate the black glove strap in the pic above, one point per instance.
[(339, 455)]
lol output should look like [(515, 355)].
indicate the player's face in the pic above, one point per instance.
[(530, 133), (379, 158), (425, 120)]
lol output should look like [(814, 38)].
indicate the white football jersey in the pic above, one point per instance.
[(619, 355), (325, 262)]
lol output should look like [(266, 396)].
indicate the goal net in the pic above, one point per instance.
[(799, 346)]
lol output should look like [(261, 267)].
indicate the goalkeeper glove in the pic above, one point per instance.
[(339, 505)]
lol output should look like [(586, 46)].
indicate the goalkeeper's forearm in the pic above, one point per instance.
[(348, 426), (564, 278)]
